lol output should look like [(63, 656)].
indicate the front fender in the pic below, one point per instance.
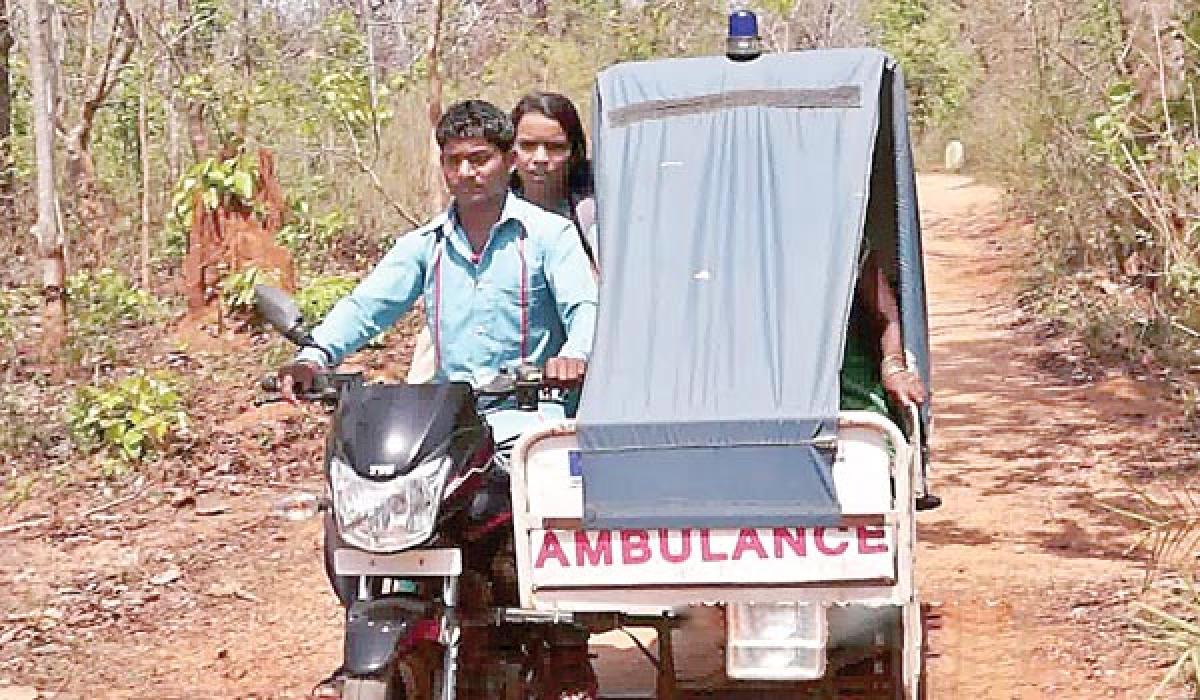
[(375, 629)]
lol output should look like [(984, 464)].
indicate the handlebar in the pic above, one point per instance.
[(326, 387), (525, 383)]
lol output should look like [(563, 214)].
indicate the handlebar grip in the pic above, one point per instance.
[(269, 383)]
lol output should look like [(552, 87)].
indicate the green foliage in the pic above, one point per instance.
[(119, 126), (104, 300), (595, 35), (925, 37), (321, 294), (1110, 135), (8, 328), (779, 8), (278, 352), (237, 288), (19, 491), (15, 304), (19, 423), (101, 305), (115, 146), (1100, 24), (1168, 616), (207, 16), (1154, 170), (345, 94), (21, 115), (308, 235), (131, 419), (341, 82), (318, 297), (230, 183), (1111, 176)]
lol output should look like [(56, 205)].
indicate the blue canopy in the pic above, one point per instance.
[(733, 198)]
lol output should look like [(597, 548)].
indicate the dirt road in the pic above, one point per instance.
[(1026, 574), (1028, 584)]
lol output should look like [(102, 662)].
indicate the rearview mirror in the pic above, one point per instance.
[(277, 308)]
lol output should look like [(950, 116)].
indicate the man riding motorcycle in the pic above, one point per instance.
[(505, 283)]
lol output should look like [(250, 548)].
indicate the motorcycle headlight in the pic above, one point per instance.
[(386, 516)]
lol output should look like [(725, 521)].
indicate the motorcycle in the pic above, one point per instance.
[(418, 534), (712, 478)]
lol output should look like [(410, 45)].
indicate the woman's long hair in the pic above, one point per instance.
[(560, 108)]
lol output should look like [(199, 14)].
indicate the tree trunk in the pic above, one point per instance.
[(7, 208), (438, 196), (92, 207), (144, 153), (95, 209), (49, 236), (197, 130), (170, 74), (242, 116), (364, 8), (195, 52)]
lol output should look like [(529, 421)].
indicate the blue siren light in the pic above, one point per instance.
[(743, 42), (743, 23)]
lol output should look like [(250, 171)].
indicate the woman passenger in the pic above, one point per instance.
[(553, 170)]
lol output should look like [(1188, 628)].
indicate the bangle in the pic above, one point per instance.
[(892, 364)]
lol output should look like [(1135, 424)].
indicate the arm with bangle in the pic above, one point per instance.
[(901, 382)]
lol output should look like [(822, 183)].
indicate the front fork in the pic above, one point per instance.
[(451, 637), (376, 628)]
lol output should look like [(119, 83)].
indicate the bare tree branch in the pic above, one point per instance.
[(374, 176)]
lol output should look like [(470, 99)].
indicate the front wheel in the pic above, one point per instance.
[(369, 689), (419, 673)]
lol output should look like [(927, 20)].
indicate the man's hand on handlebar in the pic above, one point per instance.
[(564, 372), (298, 377)]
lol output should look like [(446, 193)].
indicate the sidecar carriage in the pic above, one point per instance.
[(710, 467)]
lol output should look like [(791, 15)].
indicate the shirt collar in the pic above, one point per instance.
[(513, 209)]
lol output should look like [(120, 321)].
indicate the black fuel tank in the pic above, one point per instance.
[(403, 425)]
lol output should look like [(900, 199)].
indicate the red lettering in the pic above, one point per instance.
[(748, 539), (706, 552), (635, 546), (664, 546), (823, 546), (866, 534), (587, 555), (795, 542), (551, 548)]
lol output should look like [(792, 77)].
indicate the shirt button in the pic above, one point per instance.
[(480, 330)]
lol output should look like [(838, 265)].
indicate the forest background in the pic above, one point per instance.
[(159, 157)]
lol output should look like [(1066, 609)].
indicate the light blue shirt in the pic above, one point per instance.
[(474, 307)]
